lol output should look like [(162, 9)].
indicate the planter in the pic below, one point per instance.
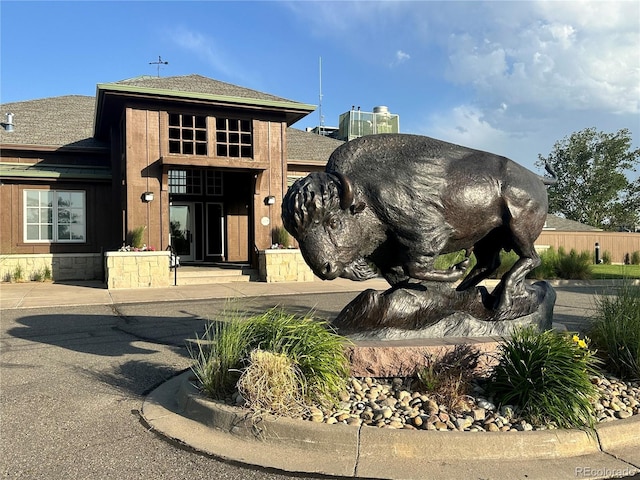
[(137, 269), (283, 265)]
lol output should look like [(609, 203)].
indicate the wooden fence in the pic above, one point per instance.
[(618, 245)]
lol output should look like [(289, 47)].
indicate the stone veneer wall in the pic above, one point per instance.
[(61, 266), (137, 269), (283, 265)]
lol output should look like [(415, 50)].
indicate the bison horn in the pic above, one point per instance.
[(346, 198)]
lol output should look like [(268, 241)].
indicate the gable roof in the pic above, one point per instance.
[(555, 222), (309, 148), (196, 84), (52, 122), (68, 121), (110, 97)]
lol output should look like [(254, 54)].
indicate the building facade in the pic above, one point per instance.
[(189, 161)]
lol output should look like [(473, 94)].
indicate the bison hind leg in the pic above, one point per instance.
[(513, 282), (487, 252)]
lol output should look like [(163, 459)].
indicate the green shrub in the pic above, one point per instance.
[(507, 260), (548, 268), (447, 260), (547, 376), (635, 258), (615, 330), (136, 237), (18, 274), (575, 266), (280, 236), (309, 343), (606, 257)]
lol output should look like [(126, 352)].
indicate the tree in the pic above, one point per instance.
[(593, 187)]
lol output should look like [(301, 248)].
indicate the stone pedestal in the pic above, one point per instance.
[(137, 269), (401, 358), (283, 265), (425, 311)]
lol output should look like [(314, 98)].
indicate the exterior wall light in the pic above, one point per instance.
[(270, 200), (147, 197)]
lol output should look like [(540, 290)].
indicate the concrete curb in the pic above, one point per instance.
[(177, 411)]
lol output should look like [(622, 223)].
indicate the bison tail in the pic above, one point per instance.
[(554, 176)]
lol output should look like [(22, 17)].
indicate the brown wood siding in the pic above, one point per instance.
[(144, 174), (617, 244), (99, 218), (270, 182)]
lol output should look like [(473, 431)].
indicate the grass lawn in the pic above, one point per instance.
[(603, 271)]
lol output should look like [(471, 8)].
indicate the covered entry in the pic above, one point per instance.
[(210, 214)]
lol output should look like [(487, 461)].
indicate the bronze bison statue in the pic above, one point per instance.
[(397, 201)]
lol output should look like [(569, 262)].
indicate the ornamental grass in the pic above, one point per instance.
[(449, 378), (615, 331), (224, 351), (548, 376)]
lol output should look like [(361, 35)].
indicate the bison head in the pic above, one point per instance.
[(332, 229)]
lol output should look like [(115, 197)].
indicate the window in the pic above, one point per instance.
[(187, 134), (54, 216), (214, 182), (233, 138), (187, 182)]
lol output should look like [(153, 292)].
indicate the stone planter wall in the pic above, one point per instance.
[(283, 265), (59, 267), (137, 269)]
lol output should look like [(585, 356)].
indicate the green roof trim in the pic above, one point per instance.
[(204, 96), (55, 172)]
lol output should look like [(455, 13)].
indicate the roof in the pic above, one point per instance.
[(196, 84), (52, 122), (307, 147), (565, 225), (192, 88)]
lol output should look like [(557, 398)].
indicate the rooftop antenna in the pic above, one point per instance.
[(158, 63), (321, 130)]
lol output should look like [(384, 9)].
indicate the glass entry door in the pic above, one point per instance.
[(182, 232)]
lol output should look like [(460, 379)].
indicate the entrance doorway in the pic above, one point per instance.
[(210, 214), (198, 231)]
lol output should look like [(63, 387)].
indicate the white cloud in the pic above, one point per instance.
[(207, 50), (556, 58), (466, 125), (400, 57), (542, 55)]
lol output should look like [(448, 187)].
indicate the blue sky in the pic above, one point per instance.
[(508, 77)]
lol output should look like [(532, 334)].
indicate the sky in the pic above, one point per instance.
[(511, 78)]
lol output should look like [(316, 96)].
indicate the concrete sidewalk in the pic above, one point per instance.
[(48, 294), (73, 293)]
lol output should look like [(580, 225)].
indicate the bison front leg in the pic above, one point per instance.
[(422, 269)]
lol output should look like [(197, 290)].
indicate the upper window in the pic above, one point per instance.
[(233, 138), (187, 134), (188, 182), (54, 216)]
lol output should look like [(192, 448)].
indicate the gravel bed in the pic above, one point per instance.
[(390, 403)]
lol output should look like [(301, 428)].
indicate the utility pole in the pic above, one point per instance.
[(321, 130)]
